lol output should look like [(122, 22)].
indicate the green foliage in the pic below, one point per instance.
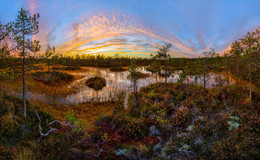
[(77, 123), (161, 117), (11, 74), (105, 136), (151, 94)]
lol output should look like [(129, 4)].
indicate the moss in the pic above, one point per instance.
[(96, 83)]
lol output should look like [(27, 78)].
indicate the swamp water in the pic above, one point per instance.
[(117, 84)]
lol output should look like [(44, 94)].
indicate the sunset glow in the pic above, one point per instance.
[(138, 28)]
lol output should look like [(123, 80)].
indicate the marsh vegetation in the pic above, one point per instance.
[(138, 108)]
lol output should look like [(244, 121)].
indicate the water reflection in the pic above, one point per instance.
[(117, 83)]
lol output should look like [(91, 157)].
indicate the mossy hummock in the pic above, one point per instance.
[(96, 83)]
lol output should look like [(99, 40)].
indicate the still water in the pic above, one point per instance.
[(117, 83)]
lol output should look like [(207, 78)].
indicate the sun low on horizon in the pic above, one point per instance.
[(137, 27)]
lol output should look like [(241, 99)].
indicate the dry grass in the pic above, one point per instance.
[(87, 112)]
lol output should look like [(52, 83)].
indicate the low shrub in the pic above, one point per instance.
[(7, 153), (181, 118), (135, 129), (9, 129)]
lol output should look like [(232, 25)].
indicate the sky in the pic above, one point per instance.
[(138, 27)]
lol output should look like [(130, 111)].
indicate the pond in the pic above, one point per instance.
[(117, 83)]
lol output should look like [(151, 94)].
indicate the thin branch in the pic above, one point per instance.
[(40, 128), (63, 124), (100, 151)]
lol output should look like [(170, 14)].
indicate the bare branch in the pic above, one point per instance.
[(100, 151), (63, 124), (40, 128)]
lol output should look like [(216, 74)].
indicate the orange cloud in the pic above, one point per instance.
[(102, 26), (32, 5)]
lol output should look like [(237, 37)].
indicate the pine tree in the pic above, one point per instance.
[(24, 27), (163, 55), (251, 47)]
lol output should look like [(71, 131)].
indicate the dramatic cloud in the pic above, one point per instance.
[(139, 27), (117, 32)]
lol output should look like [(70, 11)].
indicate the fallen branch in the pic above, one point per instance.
[(40, 128), (63, 124), (100, 151)]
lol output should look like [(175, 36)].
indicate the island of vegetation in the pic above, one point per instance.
[(117, 69), (96, 82), (69, 68), (53, 78), (140, 75)]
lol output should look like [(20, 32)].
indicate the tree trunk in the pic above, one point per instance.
[(204, 87), (24, 100), (157, 70), (135, 87), (250, 82), (204, 84), (227, 72), (48, 66), (237, 66), (165, 74)]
